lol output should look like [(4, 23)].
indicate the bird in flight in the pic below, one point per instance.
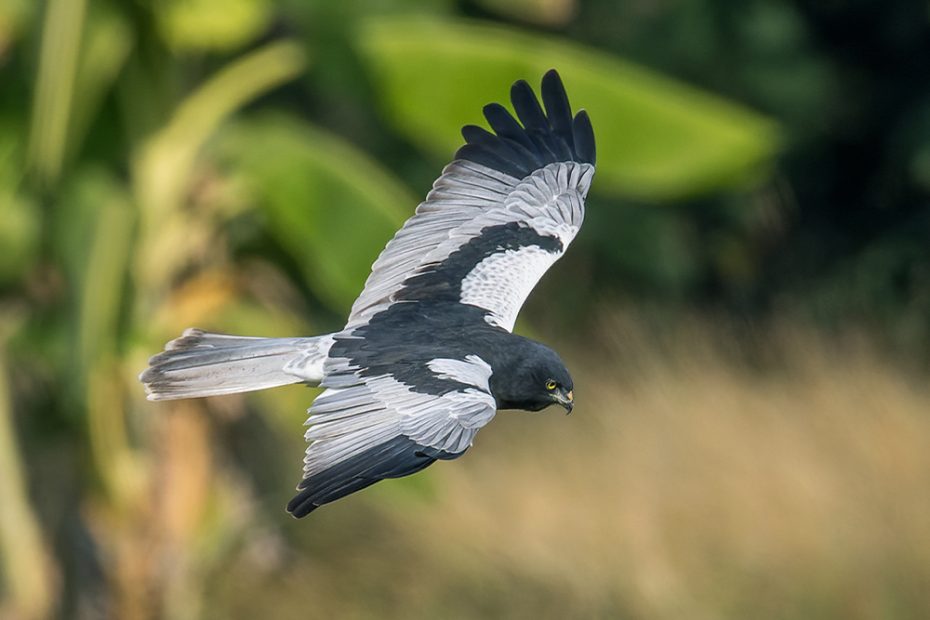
[(427, 355)]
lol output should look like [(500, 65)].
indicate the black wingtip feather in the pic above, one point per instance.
[(505, 125), (583, 133), (514, 153), (527, 107), (492, 157), (474, 134), (546, 135), (558, 109)]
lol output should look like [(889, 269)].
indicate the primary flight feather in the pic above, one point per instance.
[(427, 355)]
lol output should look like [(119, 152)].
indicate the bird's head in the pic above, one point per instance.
[(558, 387), (535, 380)]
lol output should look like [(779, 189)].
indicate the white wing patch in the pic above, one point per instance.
[(472, 370), (502, 282), (467, 198)]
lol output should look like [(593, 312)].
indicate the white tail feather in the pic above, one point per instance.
[(204, 364)]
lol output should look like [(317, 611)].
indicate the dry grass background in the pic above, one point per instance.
[(711, 471)]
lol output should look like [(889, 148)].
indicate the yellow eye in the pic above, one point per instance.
[(550, 385)]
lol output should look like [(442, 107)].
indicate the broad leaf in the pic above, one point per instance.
[(330, 206), (20, 217), (221, 25), (657, 138)]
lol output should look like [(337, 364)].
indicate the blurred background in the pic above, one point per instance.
[(746, 312)]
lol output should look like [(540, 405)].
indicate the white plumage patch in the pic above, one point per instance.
[(472, 370), (501, 282), (308, 365)]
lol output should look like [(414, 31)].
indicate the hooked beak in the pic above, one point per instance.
[(566, 399)]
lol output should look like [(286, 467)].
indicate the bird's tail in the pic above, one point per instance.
[(204, 364)]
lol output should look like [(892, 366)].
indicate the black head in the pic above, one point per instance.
[(535, 379)]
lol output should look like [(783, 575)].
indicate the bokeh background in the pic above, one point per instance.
[(746, 312)]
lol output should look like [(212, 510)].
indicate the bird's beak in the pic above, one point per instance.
[(566, 399)]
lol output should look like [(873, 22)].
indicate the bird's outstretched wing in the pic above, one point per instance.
[(499, 215), (497, 218), (377, 427)]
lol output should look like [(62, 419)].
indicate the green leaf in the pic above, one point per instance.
[(220, 25), (20, 216), (96, 237), (162, 169), (15, 18), (657, 138), (328, 204), (28, 578), (19, 234), (107, 41), (59, 53)]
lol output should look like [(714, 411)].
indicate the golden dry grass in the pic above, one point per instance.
[(686, 485)]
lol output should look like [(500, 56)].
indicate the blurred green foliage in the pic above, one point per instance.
[(346, 205), (657, 139), (239, 164)]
